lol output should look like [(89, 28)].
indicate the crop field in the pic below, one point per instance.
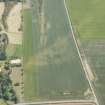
[(28, 56), (52, 67), (88, 17), (88, 21), (95, 53)]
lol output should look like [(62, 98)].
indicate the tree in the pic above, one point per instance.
[(7, 91)]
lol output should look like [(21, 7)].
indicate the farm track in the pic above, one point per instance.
[(72, 102)]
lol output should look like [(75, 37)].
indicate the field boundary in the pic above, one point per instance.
[(77, 47), (90, 102)]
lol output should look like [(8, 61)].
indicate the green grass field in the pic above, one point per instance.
[(28, 57), (88, 20), (14, 50), (52, 68), (88, 17)]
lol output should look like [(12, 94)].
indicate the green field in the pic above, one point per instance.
[(28, 56), (14, 50), (88, 17), (52, 67), (88, 21)]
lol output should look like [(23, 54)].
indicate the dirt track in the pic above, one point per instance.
[(73, 103), (61, 103)]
